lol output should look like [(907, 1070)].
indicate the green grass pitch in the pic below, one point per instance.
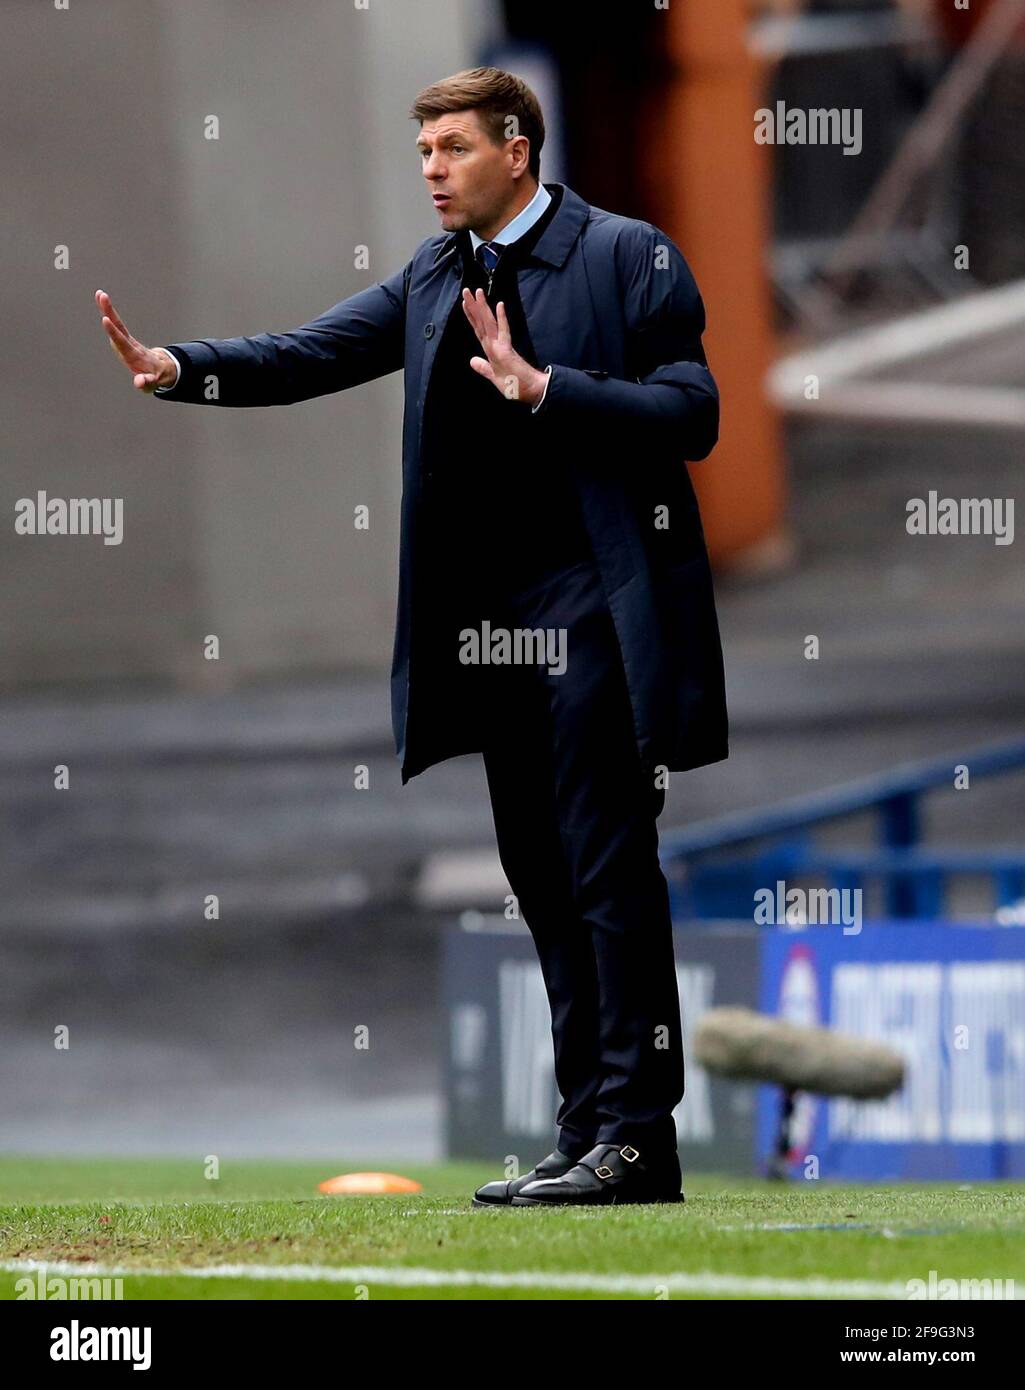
[(732, 1238)]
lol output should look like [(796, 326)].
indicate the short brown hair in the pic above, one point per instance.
[(497, 95)]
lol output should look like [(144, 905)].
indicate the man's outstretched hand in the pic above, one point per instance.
[(503, 366), (151, 367)]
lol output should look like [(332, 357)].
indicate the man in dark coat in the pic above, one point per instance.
[(555, 607)]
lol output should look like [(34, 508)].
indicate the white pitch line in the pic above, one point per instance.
[(404, 1276), (439, 1211)]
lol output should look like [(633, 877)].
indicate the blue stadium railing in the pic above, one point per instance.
[(715, 867)]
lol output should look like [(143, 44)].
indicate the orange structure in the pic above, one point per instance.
[(709, 185)]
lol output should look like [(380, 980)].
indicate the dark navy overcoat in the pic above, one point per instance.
[(611, 303)]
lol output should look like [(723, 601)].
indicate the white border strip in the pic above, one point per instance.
[(839, 364), (909, 338), (404, 1276), (914, 402)]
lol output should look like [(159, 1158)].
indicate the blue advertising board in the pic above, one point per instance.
[(951, 1000)]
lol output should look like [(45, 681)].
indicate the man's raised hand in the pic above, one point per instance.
[(150, 367), (503, 366)]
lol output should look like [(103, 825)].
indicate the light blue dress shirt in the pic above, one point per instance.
[(512, 231), (521, 223)]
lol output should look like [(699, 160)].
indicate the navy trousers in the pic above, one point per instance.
[(575, 818)]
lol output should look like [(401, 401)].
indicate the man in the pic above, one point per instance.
[(545, 497)]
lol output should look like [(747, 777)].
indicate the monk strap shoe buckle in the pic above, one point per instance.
[(629, 1153), (604, 1172)]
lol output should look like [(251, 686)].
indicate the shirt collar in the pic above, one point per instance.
[(521, 223)]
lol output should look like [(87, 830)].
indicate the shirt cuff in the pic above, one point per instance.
[(534, 409), (162, 390)]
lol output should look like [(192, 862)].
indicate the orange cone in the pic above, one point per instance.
[(367, 1184)]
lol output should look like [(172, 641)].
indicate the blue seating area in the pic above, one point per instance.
[(714, 867)]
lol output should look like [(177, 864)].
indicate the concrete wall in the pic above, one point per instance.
[(237, 522)]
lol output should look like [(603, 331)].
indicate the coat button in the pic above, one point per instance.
[(428, 330)]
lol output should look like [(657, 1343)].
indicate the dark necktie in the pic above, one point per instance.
[(487, 254)]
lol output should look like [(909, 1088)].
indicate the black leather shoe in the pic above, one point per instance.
[(610, 1173), (501, 1192)]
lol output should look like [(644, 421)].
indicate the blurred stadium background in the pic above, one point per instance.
[(341, 908)]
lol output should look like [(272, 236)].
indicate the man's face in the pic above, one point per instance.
[(471, 179)]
